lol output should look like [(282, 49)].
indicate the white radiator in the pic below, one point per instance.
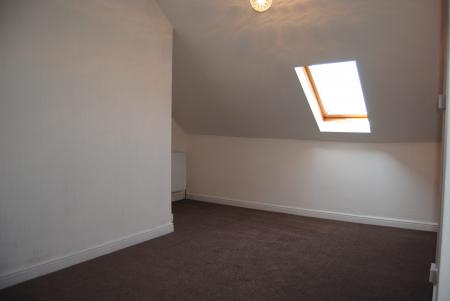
[(178, 172)]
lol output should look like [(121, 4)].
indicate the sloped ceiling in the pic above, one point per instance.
[(234, 68)]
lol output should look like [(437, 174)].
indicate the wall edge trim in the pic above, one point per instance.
[(332, 215), (58, 263)]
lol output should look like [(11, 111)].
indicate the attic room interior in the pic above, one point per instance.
[(224, 150)]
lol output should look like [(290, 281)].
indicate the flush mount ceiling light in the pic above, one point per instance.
[(261, 5)]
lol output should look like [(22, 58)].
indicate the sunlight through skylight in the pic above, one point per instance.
[(339, 88), (335, 96)]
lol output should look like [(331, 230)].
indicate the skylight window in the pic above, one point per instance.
[(335, 96)]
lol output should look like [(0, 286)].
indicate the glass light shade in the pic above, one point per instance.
[(261, 5)]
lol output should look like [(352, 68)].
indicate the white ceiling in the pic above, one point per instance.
[(234, 68)]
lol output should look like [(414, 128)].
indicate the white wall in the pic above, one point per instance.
[(180, 139), (393, 184), (180, 142), (85, 122), (441, 290)]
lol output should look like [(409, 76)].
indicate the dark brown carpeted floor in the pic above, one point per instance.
[(226, 253)]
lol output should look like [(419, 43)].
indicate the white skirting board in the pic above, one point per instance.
[(59, 263), (178, 196), (339, 216)]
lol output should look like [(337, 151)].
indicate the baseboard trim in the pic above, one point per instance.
[(339, 216), (178, 196), (59, 263)]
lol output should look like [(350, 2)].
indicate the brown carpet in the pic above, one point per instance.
[(226, 253)]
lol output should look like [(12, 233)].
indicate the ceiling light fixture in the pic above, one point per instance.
[(261, 5)]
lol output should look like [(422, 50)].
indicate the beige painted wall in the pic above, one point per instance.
[(398, 180), (85, 121)]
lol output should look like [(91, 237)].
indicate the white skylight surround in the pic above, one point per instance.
[(335, 96)]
